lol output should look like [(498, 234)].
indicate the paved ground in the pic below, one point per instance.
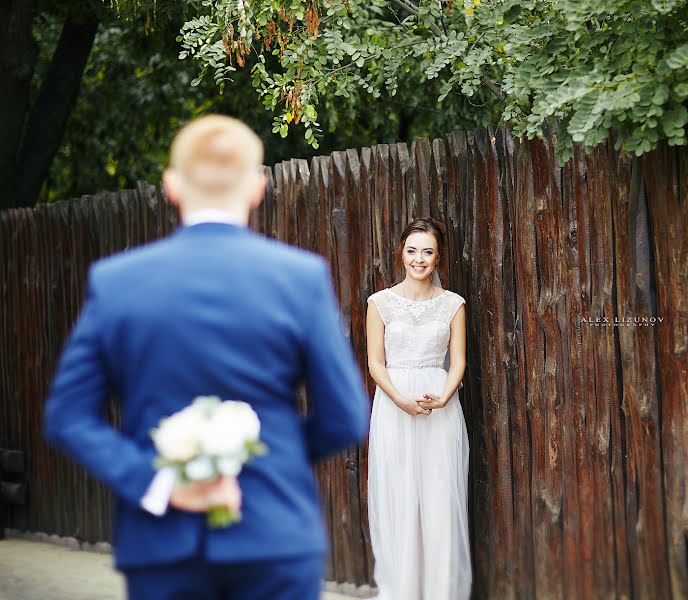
[(33, 570)]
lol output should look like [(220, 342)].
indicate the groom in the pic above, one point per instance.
[(213, 309)]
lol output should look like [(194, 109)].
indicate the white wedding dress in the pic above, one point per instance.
[(418, 466)]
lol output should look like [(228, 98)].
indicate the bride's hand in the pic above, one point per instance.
[(431, 401), (413, 407)]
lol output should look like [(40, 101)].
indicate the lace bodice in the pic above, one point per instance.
[(416, 332)]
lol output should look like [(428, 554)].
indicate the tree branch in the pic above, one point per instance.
[(413, 9), (492, 86), (408, 6), (55, 102)]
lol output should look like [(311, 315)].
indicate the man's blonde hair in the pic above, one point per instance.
[(216, 155)]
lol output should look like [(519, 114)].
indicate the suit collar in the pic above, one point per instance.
[(210, 228), (212, 215)]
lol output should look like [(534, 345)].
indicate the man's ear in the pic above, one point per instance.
[(257, 192), (171, 181)]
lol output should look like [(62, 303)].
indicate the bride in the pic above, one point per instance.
[(418, 453)]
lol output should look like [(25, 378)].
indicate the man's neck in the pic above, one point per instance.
[(215, 215)]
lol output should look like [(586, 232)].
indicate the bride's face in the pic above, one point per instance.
[(420, 255)]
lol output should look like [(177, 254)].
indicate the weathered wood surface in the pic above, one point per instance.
[(578, 422)]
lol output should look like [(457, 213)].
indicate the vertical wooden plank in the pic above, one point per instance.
[(528, 205), (549, 500), (397, 169), (315, 202), (289, 198), (605, 388), (585, 413), (268, 204), (361, 250), (419, 183), (301, 176), (319, 196), (25, 364), (368, 170), (627, 178), (456, 158), (473, 401), (493, 232), (644, 502), (519, 568), (279, 202), (438, 198), (346, 463), (41, 316), (437, 193), (577, 554), (338, 259), (384, 261), (666, 176), (521, 561)]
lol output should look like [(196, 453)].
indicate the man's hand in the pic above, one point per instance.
[(200, 496)]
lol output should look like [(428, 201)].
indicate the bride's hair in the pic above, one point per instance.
[(421, 225), (424, 225)]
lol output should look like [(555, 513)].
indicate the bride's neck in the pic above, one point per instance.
[(418, 290)]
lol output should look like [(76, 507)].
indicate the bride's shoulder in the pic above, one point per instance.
[(379, 295), (454, 298)]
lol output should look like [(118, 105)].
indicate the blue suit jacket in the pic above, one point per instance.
[(213, 309)]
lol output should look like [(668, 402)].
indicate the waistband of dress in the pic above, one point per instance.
[(424, 366)]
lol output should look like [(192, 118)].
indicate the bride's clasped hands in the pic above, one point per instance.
[(430, 402), (421, 406), (413, 406)]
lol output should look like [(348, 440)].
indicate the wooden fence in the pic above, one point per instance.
[(576, 391)]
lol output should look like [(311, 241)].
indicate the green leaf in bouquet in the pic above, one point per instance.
[(221, 516), (160, 463), (256, 448)]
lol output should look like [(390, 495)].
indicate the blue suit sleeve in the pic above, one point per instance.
[(338, 406), (74, 416)]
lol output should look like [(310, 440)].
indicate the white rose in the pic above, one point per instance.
[(243, 416), (177, 437), (228, 430), (230, 465)]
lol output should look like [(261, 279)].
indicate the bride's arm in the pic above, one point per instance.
[(375, 334)]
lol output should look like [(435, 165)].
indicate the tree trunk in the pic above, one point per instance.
[(406, 118), (55, 102), (18, 53)]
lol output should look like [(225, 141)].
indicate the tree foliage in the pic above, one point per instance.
[(590, 65), (135, 94)]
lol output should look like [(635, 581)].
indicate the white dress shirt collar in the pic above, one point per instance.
[(212, 215)]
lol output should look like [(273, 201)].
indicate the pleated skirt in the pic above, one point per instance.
[(417, 493)]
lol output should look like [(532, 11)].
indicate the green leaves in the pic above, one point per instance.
[(600, 66), (678, 59), (588, 65), (664, 6)]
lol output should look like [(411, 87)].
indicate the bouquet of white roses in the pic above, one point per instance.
[(209, 439)]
